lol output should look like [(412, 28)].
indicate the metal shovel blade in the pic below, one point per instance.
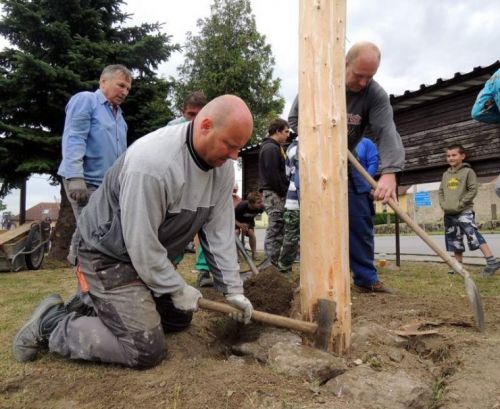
[(475, 301), (470, 287)]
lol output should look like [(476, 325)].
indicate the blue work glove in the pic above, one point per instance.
[(78, 191), (242, 303), (186, 299)]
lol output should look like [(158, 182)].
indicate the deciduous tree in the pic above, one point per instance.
[(229, 56)]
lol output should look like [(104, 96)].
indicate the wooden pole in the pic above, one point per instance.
[(324, 231)]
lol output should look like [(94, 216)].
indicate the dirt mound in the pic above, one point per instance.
[(270, 291)]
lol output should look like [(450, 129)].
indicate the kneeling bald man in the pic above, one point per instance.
[(168, 186)]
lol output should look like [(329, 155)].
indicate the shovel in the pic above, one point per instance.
[(470, 287), (248, 259)]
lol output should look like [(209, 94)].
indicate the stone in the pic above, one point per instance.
[(236, 359), (362, 387), (305, 362), (365, 333), (395, 355), (256, 341)]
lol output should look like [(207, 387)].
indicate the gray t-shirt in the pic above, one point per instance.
[(369, 107)]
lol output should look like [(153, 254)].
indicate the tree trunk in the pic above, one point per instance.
[(64, 229)]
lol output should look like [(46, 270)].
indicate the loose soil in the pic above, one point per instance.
[(461, 364), (270, 291)]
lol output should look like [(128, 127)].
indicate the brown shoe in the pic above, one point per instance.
[(377, 287)]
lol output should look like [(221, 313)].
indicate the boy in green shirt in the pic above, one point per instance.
[(456, 197)]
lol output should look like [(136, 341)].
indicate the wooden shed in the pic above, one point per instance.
[(429, 119)]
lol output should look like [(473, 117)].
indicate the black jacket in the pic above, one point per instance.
[(272, 174)]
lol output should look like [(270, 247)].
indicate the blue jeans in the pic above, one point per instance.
[(361, 239)]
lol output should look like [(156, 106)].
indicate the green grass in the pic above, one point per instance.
[(20, 293), (434, 233), (433, 278)]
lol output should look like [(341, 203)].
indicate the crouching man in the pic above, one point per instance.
[(168, 186)]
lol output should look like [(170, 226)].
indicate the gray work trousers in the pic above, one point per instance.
[(130, 322), (275, 209)]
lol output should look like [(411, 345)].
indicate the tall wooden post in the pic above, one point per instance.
[(324, 230)]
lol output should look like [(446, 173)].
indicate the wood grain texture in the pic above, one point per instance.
[(324, 268)]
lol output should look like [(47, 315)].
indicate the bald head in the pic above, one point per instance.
[(362, 62), (221, 129), (362, 48)]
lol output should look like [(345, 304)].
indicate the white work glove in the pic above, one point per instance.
[(186, 299), (242, 303), (78, 191)]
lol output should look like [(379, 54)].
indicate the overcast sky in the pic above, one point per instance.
[(421, 41)]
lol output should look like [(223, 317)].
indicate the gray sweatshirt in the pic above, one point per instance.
[(458, 189), (369, 107), (154, 200)]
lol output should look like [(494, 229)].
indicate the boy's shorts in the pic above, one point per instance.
[(456, 226)]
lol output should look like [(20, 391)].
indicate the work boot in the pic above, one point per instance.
[(285, 271), (266, 263), (190, 247), (204, 279), (377, 287), (491, 268), (76, 304), (35, 333)]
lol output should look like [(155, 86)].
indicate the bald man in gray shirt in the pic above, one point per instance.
[(168, 186)]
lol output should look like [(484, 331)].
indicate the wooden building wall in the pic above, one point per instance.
[(428, 129), (250, 172)]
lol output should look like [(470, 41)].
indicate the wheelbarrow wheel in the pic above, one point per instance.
[(34, 258)]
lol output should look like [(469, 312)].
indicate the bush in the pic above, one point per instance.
[(381, 218)]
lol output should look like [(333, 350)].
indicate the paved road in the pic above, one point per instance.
[(414, 248)]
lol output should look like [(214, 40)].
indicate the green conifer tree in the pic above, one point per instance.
[(58, 48)]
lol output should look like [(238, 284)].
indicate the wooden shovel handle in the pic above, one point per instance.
[(414, 226), (470, 287), (260, 316)]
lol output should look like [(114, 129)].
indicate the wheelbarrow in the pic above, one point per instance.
[(24, 247)]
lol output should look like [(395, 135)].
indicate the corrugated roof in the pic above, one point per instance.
[(441, 88)]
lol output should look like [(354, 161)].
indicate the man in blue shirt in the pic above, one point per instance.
[(361, 212), (95, 135)]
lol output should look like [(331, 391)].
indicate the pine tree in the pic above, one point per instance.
[(58, 48), (229, 56)]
